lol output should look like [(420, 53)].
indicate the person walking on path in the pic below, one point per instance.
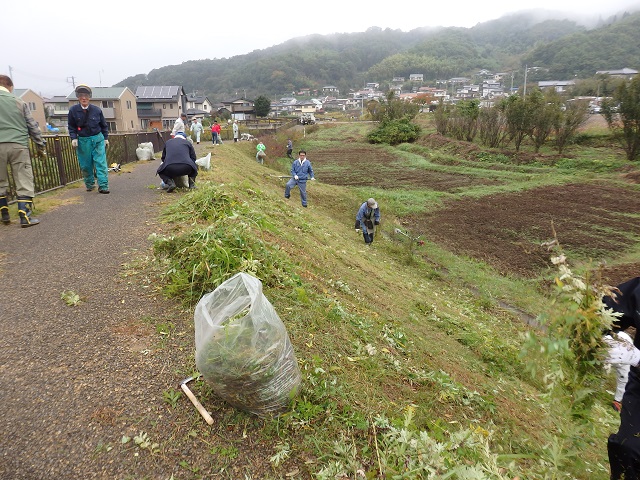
[(89, 134), (196, 127), (301, 171), (260, 153), (16, 126), (179, 125), (178, 159), (216, 132), (236, 131), (289, 148), (367, 219)]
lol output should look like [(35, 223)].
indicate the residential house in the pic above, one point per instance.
[(558, 85), (416, 77), (305, 106), (198, 106), (118, 105), (623, 73), (468, 91), (57, 111), (240, 108), (372, 86), (160, 106), (279, 108), (36, 105), (330, 90), (398, 79), (491, 89)]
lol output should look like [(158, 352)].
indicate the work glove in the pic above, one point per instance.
[(296, 177), (42, 151), (313, 178), (106, 143), (357, 230), (74, 143), (621, 350)]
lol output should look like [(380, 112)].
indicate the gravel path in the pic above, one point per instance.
[(73, 378)]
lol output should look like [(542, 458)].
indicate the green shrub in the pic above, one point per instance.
[(395, 132)]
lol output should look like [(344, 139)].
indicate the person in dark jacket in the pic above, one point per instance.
[(178, 159), (367, 219), (624, 446), (301, 171), (89, 134)]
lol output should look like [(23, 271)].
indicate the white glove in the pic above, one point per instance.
[(357, 230), (106, 143), (621, 351), (296, 177), (313, 178), (74, 143)]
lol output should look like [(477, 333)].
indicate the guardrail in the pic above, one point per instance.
[(60, 166)]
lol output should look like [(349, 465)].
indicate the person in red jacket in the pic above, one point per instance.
[(215, 133)]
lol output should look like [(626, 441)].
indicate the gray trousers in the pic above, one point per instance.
[(17, 156)]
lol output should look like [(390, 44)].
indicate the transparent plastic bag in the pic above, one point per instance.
[(243, 350)]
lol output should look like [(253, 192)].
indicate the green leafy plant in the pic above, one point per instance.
[(171, 397), (71, 298)]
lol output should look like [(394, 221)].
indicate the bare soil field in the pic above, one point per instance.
[(362, 166), (592, 220), (506, 230)]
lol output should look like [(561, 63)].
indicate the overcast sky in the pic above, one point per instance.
[(46, 43)]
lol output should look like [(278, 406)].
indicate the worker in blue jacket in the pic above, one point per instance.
[(89, 134), (367, 219), (301, 171)]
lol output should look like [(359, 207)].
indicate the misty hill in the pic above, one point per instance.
[(562, 49)]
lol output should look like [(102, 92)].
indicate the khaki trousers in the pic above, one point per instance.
[(17, 156)]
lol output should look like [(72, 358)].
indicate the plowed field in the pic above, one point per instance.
[(596, 220)]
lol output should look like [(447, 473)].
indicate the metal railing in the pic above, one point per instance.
[(60, 166)]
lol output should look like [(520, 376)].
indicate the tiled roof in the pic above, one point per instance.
[(102, 93)]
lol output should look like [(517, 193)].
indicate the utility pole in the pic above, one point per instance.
[(11, 73), (525, 81), (73, 81)]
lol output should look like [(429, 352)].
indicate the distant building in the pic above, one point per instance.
[(36, 105), (624, 73), (558, 85), (159, 106), (58, 111), (198, 106), (330, 89), (416, 77), (398, 79)]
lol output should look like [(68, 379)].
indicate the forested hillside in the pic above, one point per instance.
[(561, 48)]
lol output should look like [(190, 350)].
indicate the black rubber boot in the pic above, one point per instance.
[(25, 205), (192, 182), (171, 185), (4, 209)]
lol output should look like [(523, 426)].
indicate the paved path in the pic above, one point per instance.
[(66, 371)]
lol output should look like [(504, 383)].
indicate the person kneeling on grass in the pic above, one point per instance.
[(367, 218), (178, 159)]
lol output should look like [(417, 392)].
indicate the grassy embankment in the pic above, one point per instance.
[(414, 334)]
